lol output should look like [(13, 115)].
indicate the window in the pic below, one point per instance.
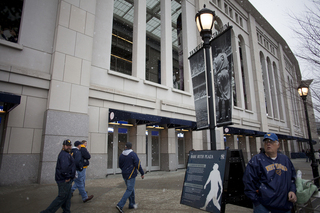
[(278, 89), (272, 89), (10, 18), (237, 18), (153, 42), (177, 46), (241, 23), (243, 74), (293, 94), (265, 82), (230, 13), (226, 8), (219, 4), (122, 33), (234, 88)]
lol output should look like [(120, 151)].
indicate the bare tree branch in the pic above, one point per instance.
[(308, 32)]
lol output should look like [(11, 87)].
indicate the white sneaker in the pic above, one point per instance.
[(135, 206)]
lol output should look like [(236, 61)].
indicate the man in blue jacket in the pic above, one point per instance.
[(79, 181), (129, 164), (65, 173), (269, 179)]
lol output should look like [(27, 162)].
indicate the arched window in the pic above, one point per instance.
[(279, 92), (293, 96), (244, 71), (272, 89), (265, 83)]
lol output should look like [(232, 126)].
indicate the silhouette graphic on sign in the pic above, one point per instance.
[(215, 180)]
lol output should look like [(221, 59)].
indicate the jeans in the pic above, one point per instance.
[(261, 209), (63, 199), (129, 193), (79, 183)]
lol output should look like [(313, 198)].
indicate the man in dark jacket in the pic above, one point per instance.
[(79, 181), (65, 173), (86, 157), (269, 179), (84, 161), (129, 164)]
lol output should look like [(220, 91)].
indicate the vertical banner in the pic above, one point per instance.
[(198, 75), (203, 183), (223, 69)]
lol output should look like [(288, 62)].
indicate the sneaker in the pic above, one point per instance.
[(88, 198), (119, 209), (135, 206)]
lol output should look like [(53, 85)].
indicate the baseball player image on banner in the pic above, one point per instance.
[(223, 69), (199, 83)]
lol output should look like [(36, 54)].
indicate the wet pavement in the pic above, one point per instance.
[(159, 191)]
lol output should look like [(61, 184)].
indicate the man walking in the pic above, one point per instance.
[(86, 157), (269, 179), (79, 181), (129, 164), (65, 173)]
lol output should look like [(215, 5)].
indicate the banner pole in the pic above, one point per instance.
[(206, 45)]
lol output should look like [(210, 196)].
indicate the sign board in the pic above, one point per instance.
[(213, 179), (203, 184)]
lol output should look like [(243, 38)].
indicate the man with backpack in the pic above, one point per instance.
[(79, 181)]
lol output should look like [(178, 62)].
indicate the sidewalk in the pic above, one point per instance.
[(158, 192)]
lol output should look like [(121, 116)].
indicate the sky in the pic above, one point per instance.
[(277, 13)]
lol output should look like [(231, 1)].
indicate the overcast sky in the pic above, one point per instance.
[(277, 13)]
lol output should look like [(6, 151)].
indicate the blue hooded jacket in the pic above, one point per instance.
[(268, 182), (129, 163), (76, 154), (65, 168)]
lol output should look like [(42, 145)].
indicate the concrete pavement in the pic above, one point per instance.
[(159, 192)]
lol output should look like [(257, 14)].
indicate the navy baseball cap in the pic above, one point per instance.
[(67, 142), (270, 136), (77, 143)]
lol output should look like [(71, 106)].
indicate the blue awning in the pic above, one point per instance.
[(9, 101), (118, 115), (248, 132)]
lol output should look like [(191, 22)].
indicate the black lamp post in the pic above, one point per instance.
[(303, 92), (204, 21)]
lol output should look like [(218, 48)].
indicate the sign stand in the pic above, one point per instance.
[(214, 179), (233, 185)]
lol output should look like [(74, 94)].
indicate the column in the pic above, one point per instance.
[(139, 40), (67, 114), (166, 44), (168, 158)]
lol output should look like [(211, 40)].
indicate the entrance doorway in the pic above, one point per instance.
[(117, 139), (181, 150), (153, 150)]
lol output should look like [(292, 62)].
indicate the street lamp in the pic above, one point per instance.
[(204, 20), (303, 92)]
